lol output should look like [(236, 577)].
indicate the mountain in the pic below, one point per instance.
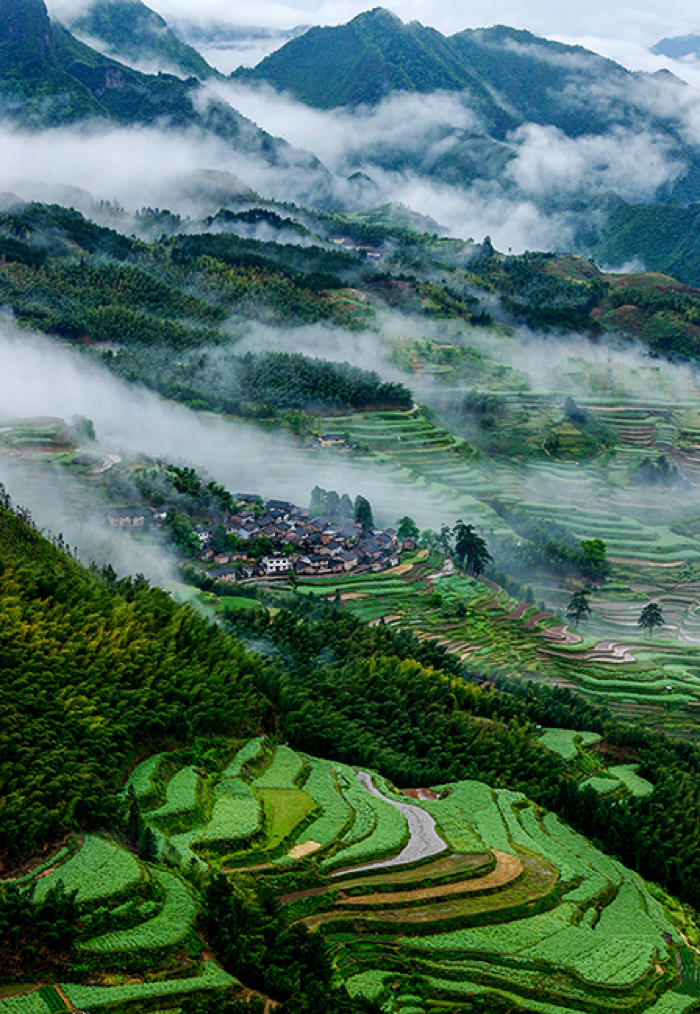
[(678, 47), (508, 78), (135, 34), (513, 76), (49, 78)]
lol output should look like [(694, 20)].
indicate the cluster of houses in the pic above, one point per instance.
[(301, 543), (351, 246), (304, 545)]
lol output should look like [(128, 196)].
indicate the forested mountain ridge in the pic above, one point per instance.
[(49, 78), (508, 78), (132, 32), (65, 275)]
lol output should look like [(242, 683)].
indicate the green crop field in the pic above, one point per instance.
[(85, 997), (99, 870), (181, 794), (141, 778), (513, 902), (285, 769), (165, 929)]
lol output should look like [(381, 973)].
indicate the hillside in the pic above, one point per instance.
[(110, 666), (67, 276), (664, 237), (49, 78), (174, 856), (506, 77), (131, 32)]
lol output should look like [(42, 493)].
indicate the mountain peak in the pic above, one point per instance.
[(130, 31)]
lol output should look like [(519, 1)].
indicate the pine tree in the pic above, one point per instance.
[(470, 549)]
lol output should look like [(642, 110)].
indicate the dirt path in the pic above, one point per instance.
[(69, 1004), (107, 462), (448, 568), (423, 842), (508, 868)]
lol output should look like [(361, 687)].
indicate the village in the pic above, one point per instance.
[(276, 539)]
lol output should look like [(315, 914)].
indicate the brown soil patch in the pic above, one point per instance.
[(536, 618), (454, 865), (403, 568), (247, 869), (644, 563), (39, 448), (508, 868), (350, 596), (420, 793), (613, 750), (423, 554), (518, 612), (304, 849)]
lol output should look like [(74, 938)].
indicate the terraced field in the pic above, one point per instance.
[(425, 902), (635, 411), (496, 635)]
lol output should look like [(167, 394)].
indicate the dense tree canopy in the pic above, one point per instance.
[(92, 671)]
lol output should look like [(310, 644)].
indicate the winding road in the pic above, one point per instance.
[(424, 841)]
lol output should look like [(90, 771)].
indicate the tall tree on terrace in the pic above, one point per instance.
[(470, 549), (651, 616), (594, 552), (578, 608), (407, 529), (444, 539)]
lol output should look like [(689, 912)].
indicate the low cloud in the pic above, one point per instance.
[(632, 164), (38, 377), (139, 166)]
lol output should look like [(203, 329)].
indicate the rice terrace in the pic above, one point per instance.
[(424, 901)]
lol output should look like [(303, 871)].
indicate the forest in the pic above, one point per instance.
[(137, 668), (92, 668)]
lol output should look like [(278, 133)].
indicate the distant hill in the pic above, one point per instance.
[(49, 78), (513, 75), (133, 33), (678, 47), (508, 78), (664, 237)]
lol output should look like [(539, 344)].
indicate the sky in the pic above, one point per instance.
[(623, 31), (644, 21)]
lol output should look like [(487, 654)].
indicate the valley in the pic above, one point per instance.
[(349, 526)]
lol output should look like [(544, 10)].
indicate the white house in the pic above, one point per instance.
[(277, 564)]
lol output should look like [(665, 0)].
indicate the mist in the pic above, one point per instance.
[(38, 377), (643, 21)]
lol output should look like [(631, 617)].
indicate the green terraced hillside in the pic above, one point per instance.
[(426, 899)]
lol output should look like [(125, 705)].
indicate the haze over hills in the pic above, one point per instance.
[(135, 34), (509, 80), (48, 78), (679, 47)]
